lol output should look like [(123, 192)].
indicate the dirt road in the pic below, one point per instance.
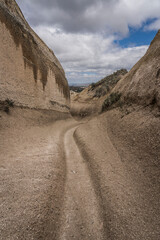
[(76, 180), (32, 180), (45, 187), (81, 217)]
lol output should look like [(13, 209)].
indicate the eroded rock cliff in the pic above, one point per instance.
[(30, 74), (142, 84)]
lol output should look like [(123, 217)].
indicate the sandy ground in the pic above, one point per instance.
[(32, 175), (123, 154), (80, 217), (96, 179)]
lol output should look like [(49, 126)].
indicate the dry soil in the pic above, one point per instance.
[(91, 179)]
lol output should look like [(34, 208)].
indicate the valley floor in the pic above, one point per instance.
[(95, 179)]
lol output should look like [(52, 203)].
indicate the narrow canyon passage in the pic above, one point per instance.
[(66, 180), (80, 216), (46, 191)]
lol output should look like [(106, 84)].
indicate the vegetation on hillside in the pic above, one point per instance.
[(77, 89), (98, 97), (110, 100), (104, 86)]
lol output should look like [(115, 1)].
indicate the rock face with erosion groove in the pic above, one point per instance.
[(30, 74)]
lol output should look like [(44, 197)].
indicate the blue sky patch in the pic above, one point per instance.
[(137, 37)]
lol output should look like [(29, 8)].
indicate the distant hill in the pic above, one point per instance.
[(90, 100), (102, 87), (76, 88), (140, 86)]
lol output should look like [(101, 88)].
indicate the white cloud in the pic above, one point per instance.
[(109, 16), (82, 32), (89, 57), (153, 26)]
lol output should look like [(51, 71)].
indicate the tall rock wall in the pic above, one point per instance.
[(30, 74), (142, 84)]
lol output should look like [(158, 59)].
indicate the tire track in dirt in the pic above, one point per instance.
[(32, 180), (80, 218)]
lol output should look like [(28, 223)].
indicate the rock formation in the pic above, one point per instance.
[(142, 84), (30, 74), (90, 100)]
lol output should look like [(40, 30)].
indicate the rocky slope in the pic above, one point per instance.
[(121, 149), (90, 100), (122, 154), (96, 179), (30, 74), (142, 84)]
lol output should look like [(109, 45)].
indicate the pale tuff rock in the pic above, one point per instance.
[(142, 84), (30, 74)]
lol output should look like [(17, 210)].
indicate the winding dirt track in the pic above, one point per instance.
[(66, 180), (81, 218), (46, 191), (32, 180)]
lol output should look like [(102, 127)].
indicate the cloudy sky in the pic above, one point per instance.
[(93, 38)]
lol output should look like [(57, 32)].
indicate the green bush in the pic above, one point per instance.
[(107, 87), (109, 101), (93, 85), (100, 92)]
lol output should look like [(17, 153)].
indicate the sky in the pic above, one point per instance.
[(94, 38)]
